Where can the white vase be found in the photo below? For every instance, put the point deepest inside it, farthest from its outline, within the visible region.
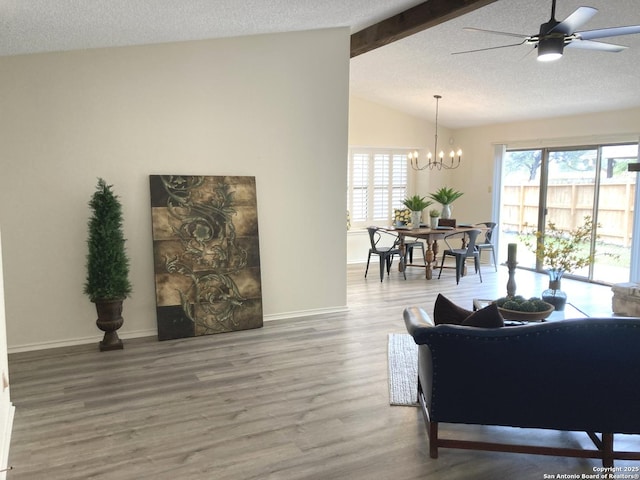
(415, 219)
(446, 211)
(434, 222)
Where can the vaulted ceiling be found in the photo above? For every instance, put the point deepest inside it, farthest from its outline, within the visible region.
(493, 86)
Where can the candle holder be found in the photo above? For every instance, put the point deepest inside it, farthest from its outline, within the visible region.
(511, 283)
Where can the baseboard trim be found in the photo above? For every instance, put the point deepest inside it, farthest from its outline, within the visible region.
(153, 332)
(305, 313)
(29, 347)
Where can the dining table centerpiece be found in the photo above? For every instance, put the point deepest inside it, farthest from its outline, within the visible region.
(533, 309)
(401, 217)
(434, 217)
(560, 251)
(416, 204)
(445, 196)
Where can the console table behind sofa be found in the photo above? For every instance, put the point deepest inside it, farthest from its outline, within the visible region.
(574, 375)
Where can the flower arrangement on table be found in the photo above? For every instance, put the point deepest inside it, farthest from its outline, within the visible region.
(402, 216)
(561, 250)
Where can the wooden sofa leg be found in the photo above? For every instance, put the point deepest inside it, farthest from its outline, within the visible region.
(607, 449)
(433, 439)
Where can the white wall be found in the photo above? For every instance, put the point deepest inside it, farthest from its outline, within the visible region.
(271, 106)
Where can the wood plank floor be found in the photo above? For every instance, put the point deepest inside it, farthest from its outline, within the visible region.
(298, 399)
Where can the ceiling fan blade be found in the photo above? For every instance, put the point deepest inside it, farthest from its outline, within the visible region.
(517, 35)
(579, 17)
(489, 48)
(608, 32)
(601, 46)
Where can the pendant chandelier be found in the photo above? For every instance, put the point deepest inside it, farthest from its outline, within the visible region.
(439, 162)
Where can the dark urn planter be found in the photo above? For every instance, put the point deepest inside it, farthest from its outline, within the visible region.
(109, 321)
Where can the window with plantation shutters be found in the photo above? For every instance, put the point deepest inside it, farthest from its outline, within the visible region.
(377, 185)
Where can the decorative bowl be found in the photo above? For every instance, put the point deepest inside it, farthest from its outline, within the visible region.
(526, 316)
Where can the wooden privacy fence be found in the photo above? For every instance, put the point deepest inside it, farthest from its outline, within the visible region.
(568, 204)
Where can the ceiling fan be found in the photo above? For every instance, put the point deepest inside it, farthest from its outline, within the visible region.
(555, 35)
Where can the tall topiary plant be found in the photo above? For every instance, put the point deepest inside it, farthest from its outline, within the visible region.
(107, 283)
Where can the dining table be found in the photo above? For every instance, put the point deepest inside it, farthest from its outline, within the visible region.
(431, 237)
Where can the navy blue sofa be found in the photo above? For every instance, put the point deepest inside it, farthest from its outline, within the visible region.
(574, 375)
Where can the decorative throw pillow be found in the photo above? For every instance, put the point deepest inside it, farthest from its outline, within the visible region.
(445, 311)
(487, 317)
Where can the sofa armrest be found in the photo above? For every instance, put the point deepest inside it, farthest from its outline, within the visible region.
(418, 323)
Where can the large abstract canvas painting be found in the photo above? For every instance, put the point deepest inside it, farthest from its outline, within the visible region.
(206, 254)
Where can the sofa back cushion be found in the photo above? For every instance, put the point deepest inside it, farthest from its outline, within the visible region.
(487, 317)
(447, 312)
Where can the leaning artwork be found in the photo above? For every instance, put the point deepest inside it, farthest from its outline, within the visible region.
(206, 254)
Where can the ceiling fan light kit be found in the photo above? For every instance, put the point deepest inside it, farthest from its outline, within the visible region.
(550, 48)
(554, 36)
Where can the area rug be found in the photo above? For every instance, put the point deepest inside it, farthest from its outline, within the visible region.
(403, 370)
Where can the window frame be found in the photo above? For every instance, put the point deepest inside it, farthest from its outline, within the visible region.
(379, 197)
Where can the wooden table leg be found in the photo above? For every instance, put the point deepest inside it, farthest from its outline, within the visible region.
(429, 257)
(403, 252)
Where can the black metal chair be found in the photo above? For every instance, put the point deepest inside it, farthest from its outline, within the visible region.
(408, 250)
(487, 243)
(386, 253)
(461, 254)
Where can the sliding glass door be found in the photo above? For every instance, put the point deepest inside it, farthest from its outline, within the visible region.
(614, 213)
(568, 195)
(563, 186)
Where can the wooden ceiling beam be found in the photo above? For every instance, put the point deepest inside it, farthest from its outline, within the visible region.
(416, 19)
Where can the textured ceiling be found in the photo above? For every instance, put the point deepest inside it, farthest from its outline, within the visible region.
(28, 26)
(506, 84)
(480, 88)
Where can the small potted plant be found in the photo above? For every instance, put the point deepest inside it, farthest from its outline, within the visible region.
(416, 204)
(446, 196)
(107, 283)
(434, 217)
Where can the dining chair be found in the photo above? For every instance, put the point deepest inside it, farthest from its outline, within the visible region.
(461, 254)
(486, 243)
(408, 250)
(385, 253)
